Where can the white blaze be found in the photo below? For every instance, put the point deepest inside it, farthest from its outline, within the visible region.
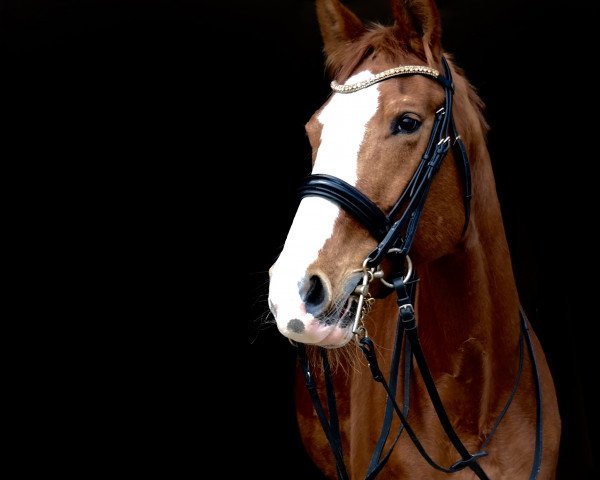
(344, 122)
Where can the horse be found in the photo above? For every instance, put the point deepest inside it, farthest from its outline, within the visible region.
(395, 284)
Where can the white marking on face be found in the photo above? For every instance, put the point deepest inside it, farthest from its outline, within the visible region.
(344, 121)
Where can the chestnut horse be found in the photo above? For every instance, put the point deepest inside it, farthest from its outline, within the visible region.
(398, 243)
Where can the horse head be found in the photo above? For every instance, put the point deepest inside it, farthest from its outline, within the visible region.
(372, 134)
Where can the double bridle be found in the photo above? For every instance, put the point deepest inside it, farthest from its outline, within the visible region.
(396, 237)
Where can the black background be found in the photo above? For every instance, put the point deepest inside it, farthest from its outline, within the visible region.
(171, 134)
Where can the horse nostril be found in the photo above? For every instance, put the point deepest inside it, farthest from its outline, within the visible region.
(315, 295)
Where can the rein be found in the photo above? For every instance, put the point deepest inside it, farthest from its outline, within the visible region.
(396, 236)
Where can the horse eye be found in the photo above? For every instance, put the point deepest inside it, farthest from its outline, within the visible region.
(405, 124)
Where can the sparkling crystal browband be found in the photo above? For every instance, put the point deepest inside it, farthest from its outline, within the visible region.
(378, 77)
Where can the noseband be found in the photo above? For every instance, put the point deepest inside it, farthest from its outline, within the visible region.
(395, 233)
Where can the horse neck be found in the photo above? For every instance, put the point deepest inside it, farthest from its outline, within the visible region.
(467, 303)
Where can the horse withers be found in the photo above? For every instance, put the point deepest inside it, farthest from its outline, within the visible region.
(395, 281)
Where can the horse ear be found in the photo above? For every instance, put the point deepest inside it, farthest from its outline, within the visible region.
(418, 25)
(338, 25)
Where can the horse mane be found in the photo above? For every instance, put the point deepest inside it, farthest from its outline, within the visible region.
(377, 39)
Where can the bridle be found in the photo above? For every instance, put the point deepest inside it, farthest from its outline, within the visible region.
(396, 237)
(399, 233)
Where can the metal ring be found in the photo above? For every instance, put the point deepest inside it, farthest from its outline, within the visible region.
(409, 271)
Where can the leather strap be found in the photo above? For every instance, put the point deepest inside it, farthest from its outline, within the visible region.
(377, 461)
(331, 427)
(350, 198)
(537, 454)
(409, 324)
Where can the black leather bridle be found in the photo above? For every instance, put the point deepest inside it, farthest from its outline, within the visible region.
(398, 235)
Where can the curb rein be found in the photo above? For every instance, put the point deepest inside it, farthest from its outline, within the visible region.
(396, 238)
